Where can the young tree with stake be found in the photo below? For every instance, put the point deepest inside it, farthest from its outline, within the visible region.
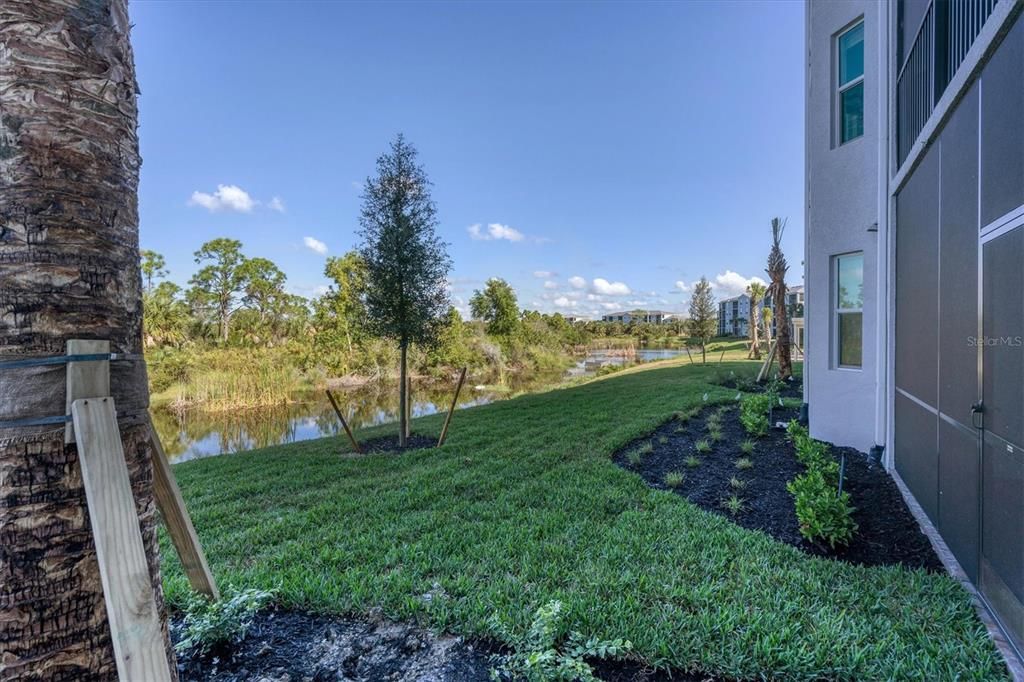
(703, 315)
(406, 262)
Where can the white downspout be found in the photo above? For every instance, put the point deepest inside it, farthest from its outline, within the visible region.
(883, 318)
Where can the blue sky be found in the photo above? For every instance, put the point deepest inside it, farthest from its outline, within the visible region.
(596, 155)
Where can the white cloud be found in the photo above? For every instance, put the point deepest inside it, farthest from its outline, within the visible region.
(226, 198)
(495, 231)
(544, 274)
(550, 285)
(729, 283)
(609, 306)
(276, 204)
(683, 286)
(563, 302)
(606, 288)
(314, 244)
(577, 282)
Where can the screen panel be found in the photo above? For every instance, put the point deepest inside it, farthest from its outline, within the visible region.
(958, 265)
(917, 281)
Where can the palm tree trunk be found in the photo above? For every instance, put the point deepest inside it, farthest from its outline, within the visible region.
(69, 250)
(782, 335)
(402, 398)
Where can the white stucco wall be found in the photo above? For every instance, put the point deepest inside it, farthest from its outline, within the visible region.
(841, 217)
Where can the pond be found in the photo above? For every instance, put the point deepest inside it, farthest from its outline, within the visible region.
(198, 433)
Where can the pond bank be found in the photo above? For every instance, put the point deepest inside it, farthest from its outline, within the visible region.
(306, 414)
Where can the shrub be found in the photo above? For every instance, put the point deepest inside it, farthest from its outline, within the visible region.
(693, 461)
(747, 447)
(744, 463)
(754, 411)
(209, 624)
(702, 446)
(674, 479)
(823, 515)
(737, 484)
(537, 656)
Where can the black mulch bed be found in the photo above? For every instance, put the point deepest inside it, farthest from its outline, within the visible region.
(390, 444)
(791, 388)
(291, 646)
(887, 533)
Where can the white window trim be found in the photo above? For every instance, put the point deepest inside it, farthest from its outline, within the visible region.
(840, 88)
(837, 311)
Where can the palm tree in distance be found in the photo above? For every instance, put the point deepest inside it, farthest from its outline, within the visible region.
(777, 268)
(755, 290)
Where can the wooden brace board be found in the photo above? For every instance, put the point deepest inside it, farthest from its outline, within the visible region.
(131, 607)
(179, 523)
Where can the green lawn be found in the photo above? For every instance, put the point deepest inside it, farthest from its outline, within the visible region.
(523, 505)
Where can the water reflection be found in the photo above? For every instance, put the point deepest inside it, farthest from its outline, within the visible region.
(196, 433)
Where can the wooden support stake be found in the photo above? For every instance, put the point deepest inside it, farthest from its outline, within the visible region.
(688, 354)
(90, 379)
(179, 523)
(337, 411)
(721, 357)
(451, 410)
(135, 629)
(767, 366)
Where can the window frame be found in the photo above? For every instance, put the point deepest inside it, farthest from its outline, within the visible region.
(838, 312)
(840, 88)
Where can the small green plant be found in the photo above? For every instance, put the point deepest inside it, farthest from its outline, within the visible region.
(737, 483)
(692, 461)
(537, 655)
(747, 447)
(754, 411)
(636, 455)
(734, 505)
(715, 436)
(823, 514)
(714, 422)
(674, 479)
(681, 428)
(662, 439)
(208, 624)
(744, 463)
(702, 446)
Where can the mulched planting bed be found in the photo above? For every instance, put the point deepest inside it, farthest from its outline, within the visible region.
(886, 533)
(292, 646)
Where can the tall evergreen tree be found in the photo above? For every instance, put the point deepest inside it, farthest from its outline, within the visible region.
(703, 315)
(406, 262)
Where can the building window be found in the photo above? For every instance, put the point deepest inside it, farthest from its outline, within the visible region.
(850, 83)
(848, 304)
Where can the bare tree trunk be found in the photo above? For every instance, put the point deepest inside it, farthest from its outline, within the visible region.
(755, 348)
(782, 335)
(69, 256)
(402, 398)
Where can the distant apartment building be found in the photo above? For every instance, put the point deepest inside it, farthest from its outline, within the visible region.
(646, 316)
(914, 263)
(735, 317)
